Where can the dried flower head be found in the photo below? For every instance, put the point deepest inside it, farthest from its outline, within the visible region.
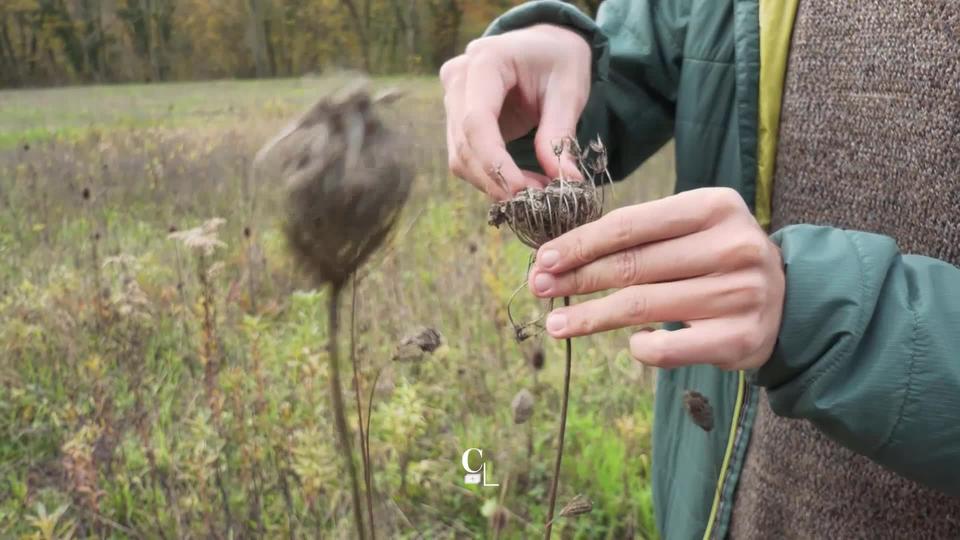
(537, 216)
(536, 358)
(499, 520)
(577, 506)
(202, 239)
(423, 340)
(522, 406)
(698, 408)
(346, 178)
(540, 215)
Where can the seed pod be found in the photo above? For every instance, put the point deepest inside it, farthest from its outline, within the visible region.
(577, 506)
(522, 406)
(699, 409)
(536, 358)
(499, 519)
(537, 216)
(423, 340)
(346, 177)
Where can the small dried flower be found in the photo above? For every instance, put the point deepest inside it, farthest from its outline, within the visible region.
(577, 506)
(499, 519)
(522, 406)
(699, 409)
(423, 340)
(203, 238)
(215, 269)
(537, 358)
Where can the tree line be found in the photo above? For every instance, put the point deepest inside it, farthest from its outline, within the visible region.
(57, 42)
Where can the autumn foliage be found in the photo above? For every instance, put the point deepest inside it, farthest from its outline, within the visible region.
(54, 42)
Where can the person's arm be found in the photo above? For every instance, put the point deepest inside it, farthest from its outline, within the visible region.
(637, 47)
(869, 350)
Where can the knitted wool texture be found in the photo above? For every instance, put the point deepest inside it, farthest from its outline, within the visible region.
(869, 140)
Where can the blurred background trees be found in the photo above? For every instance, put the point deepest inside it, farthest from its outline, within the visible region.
(56, 42)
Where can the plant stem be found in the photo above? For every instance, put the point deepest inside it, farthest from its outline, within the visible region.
(364, 438)
(563, 428)
(336, 395)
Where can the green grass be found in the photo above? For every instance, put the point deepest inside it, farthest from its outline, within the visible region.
(104, 408)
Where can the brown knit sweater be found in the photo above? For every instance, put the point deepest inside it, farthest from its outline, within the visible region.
(869, 140)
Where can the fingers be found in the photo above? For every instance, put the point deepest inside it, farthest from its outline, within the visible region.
(503, 87)
(475, 90)
(727, 344)
(488, 80)
(459, 154)
(690, 300)
(561, 112)
(706, 252)
(670, 217)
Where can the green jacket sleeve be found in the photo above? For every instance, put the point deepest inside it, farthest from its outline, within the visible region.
(637, 47)
(869, 350)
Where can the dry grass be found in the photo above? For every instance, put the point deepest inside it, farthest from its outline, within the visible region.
(109, 328)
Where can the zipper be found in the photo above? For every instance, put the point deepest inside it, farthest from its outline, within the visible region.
(733, 443)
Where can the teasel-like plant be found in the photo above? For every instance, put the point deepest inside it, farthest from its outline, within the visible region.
(537, 216)
(346, 178)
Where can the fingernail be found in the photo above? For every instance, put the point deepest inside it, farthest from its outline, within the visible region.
(548, 258)
(543, 282)
(556, 322)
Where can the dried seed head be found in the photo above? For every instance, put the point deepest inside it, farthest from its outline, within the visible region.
(558, 147)
(577, 506)
(537, 358)
(414, 345)
(499, 519)
(203, 239)
(522, 406)
(699, 409)
(346, 176)
(540, 215)
(85, 194)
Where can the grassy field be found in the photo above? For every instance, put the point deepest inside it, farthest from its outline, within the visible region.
(150, 392)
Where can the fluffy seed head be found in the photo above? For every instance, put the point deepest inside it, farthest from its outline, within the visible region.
(346, 176)
(522, 406)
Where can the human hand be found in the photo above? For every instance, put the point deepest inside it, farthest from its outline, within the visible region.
(499, 90)
(697, 257)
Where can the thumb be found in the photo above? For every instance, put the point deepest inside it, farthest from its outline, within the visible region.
(558, 121)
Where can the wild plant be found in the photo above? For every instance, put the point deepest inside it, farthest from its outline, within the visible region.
(537, 216)
(346, 178)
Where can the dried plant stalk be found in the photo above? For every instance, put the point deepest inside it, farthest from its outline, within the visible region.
(555, 482)
(340, 417)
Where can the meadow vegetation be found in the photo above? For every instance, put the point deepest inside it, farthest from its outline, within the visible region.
(163, 382)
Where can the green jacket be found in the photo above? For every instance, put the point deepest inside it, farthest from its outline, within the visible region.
(869, 348)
